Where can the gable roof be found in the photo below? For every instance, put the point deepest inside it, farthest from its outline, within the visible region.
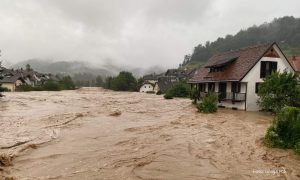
(237, 64)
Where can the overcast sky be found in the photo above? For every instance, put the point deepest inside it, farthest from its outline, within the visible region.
(136, 33)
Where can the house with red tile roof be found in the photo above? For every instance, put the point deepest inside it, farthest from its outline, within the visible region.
(236, 75)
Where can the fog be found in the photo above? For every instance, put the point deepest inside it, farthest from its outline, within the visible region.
(136, 33)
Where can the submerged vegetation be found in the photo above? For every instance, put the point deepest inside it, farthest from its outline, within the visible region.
(180, 89)
(285, 130)
(208, 104)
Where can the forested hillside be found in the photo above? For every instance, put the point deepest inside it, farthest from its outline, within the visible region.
(285, 31)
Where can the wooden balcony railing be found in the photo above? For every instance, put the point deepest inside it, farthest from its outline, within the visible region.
(224, 96)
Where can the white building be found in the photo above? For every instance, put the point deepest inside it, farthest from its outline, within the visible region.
(147, 87)
(236, 75)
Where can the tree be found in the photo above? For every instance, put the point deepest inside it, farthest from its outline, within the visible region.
(99, 81)
(67, 83)
(125, 81)
(28, 67)
(279, 90)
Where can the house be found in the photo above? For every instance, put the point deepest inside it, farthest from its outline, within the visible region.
(152, 78)
(236, 75)
(147, 87)
(11, 80)
(295, 62)
(179, 74)
(163, 84)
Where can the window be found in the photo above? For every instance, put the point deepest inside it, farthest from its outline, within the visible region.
(216, 69)
(257, 87)
(211, 87)
(267, 67)
(202, 87)
(236, 87)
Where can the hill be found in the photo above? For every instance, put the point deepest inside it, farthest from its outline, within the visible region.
(285, 31)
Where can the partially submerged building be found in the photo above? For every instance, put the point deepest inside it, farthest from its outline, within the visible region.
(236, 75)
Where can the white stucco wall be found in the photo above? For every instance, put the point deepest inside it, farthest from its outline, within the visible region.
(10, 86)
(146, 87)
(254, 76)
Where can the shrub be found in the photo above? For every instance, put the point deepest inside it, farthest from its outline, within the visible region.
(279, 90)
(4, 89)
(194, 95)
(208, 104)
(180, 89)
(285, 130)
(168, 96)
(159, 92)
(51, 86)
(24, 88)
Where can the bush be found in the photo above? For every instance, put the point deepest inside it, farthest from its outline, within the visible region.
(4, 89)
(52, 86)
(168, 96)
(194, 95)
(279, 90)
(285, 130)
(208, 104)
(180, 89)
(24, 88)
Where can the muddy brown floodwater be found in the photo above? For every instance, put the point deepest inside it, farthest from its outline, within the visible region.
(97, 134)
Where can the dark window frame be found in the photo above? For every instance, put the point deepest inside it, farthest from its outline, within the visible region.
(267, 67)
(257, 87)
(236, 87)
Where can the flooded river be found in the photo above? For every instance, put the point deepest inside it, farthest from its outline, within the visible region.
(97, 134)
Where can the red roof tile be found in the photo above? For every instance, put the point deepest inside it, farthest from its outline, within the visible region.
(295, 62)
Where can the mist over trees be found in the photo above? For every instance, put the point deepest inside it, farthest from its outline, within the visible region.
(285, 31)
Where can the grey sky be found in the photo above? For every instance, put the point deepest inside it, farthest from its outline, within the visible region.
(136, 33)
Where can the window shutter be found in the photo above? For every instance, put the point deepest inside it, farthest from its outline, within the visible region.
(263, 69)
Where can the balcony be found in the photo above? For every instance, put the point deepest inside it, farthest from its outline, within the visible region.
(234, 97)
(226, 96)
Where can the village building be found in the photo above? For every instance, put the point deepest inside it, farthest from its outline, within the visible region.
(147, 87)
(235, 76)
(163, 84)
(12, 79)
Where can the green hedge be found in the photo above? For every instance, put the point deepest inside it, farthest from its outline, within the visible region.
(285, 130)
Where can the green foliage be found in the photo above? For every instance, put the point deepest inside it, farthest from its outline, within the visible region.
(283, 30)
(194, 95)
(125, 81)
(279, 90)
(180, 89)
(285, 130)
(168, 96)
(208, 104)
(4, 89)
(66, 83)
(52, 86)
(99, 81)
